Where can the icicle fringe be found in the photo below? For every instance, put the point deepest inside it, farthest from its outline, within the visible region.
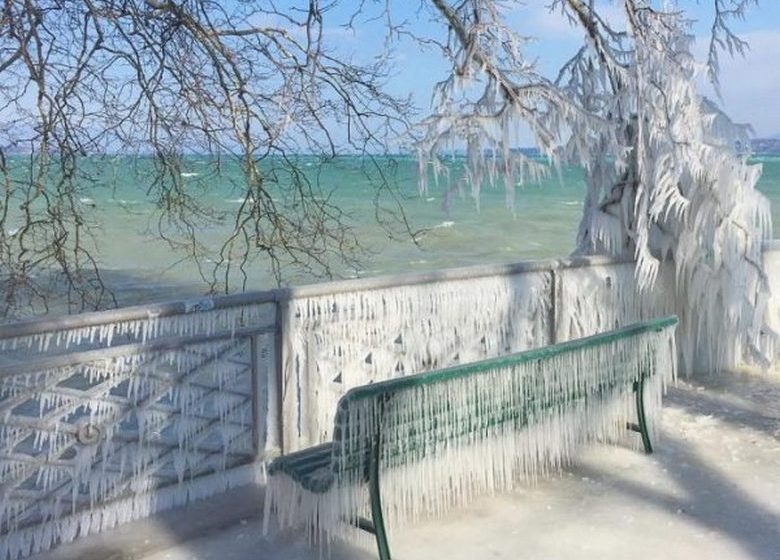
(600, 298)
(33, 540)
(199, 320)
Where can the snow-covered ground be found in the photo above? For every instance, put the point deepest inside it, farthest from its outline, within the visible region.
(711, 491)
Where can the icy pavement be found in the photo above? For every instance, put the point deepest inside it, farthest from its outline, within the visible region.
(711, 491)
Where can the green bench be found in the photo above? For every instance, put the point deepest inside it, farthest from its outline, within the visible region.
(438, 439)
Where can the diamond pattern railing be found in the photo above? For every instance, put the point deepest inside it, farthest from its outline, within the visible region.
(94, 432)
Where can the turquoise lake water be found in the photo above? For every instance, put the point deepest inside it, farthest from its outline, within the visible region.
(543, 224)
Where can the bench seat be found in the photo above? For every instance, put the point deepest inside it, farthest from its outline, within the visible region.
(312, 468)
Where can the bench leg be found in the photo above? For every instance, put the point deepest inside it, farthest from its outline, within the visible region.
(376, 502)
(639, 391)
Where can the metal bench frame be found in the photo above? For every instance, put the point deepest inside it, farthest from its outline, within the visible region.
(376, 525)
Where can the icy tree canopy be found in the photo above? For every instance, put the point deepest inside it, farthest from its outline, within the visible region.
(665, 183)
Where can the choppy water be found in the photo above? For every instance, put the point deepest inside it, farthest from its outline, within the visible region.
(543, 223)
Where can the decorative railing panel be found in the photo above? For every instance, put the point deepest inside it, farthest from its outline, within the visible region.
(101, 421)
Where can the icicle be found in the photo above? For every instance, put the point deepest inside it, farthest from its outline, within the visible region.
(604, 297)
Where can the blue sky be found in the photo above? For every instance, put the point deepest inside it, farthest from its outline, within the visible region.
(750, 85)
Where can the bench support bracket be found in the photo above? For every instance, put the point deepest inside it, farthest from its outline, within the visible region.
(363, 524)
(376, 500)
(641, 427)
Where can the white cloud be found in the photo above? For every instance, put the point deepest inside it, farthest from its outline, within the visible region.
(750, 85)
(536, 20)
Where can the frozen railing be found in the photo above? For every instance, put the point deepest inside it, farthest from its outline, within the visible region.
(107, 417)
(110, 416)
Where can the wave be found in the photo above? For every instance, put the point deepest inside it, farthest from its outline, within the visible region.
(764, 158)
(445, 224)
(238, 200)
(190, 174)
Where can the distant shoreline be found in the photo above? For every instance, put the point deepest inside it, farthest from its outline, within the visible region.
(759, 147)
(765, 146)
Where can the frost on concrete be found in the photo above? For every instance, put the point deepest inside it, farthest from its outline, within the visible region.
(603, 297)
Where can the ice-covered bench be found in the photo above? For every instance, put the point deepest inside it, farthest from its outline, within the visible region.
(437, 439)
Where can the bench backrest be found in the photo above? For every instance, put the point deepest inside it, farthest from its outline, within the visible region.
(523, 411)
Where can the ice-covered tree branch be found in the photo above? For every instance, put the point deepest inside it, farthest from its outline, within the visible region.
(722, 37)
(491, 92)
(664, 182)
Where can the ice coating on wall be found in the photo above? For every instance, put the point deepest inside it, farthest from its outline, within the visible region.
(597, 298)
(445, 443)
(771, 263)
(86, 446)
(332, 342)
(337, 341)
(603, 297)
(199, 317)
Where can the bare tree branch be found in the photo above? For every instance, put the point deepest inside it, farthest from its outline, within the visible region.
(250, 87)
